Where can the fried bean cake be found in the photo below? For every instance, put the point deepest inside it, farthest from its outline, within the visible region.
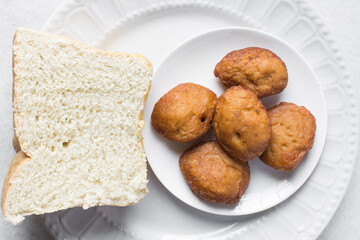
(212, 175)
(256, 69)
(184, 113)
(293, 133)
(241, 124)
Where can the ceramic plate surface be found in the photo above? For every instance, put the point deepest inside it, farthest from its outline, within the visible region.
(194, 61)
(154, 28)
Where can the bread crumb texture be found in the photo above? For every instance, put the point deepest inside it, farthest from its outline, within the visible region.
(77, 116)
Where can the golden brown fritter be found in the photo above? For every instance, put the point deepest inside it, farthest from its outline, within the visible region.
(293, 133)
(212, 175)
(184, 113)
(255, 69)
(241, 124)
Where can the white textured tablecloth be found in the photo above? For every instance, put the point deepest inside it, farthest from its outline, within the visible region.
(343, 19)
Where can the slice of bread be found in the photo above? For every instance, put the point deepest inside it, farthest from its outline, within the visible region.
(77, 120)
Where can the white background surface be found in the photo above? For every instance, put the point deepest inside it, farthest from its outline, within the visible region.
(342, 18)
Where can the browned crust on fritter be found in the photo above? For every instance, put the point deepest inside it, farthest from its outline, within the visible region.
(212, 175)
(293, 129)
(256, 69)
(184, 113)
(241, 124)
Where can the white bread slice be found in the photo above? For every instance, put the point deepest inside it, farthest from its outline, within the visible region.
(77, 120)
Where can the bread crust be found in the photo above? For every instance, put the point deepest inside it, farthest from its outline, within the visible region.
(16, 164)
(212, 175)
(141, 123)
(16, 144)
(15, 141)
(20, 157)
(293, 130)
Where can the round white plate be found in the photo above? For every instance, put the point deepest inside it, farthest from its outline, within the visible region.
(194, 61)
(154, 28)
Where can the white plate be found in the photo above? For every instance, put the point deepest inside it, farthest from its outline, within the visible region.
(194, 61)
(154, 28)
